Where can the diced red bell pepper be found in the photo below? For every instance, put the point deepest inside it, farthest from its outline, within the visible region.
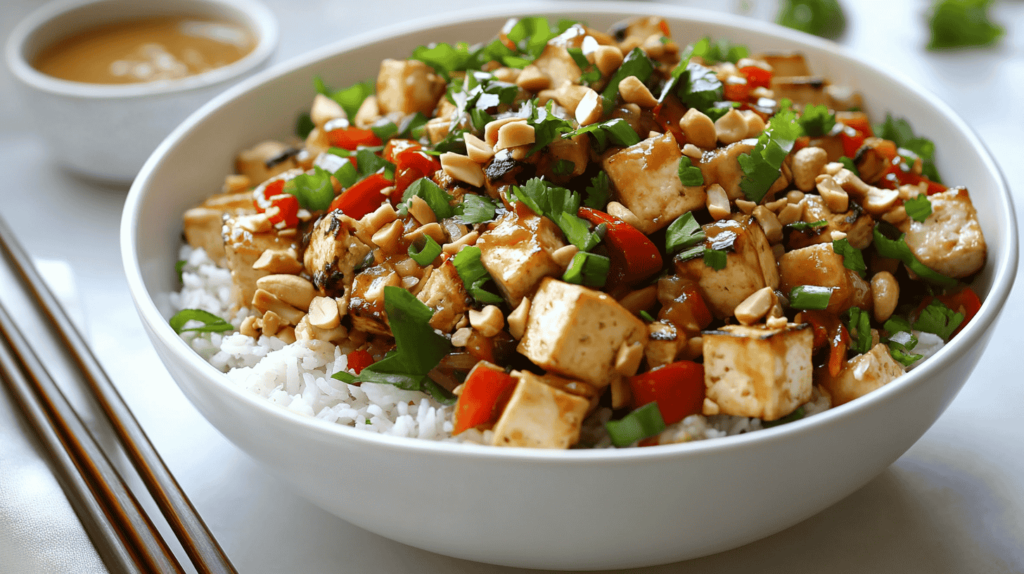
(287, 209)
(852, 140)
(633, 256)
(667, 114)
(757, 77)
(737, 92)
(411, 165)
(678, 388)
(859, 123)
(352, 138)
(663, 27)
(484, 395)
(363, 197)
(837, 356)
(261, 197)
(359, 360)
(828, 329)
(396, 146)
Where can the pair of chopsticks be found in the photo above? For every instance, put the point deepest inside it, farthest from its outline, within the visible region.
(123, 534)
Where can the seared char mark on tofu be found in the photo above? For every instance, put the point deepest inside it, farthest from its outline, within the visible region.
(445, 294)
(820, 265)
(332, 253)
(366, 299)
(203, 224)
(785, 64)
(539, 415)
(858, 226)
(517, 252)
(577, 332)
(802, 90)
(646, 179)
(949, 240)
(756, 371)
(408, 86)
(242, 248)
(265, 160)
(750, 264)
(860, 375)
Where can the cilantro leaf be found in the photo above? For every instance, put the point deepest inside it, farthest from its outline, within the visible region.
(588, 269)
(858, 323)
(476, 209)
(314, 191)
(444, 58)
(578, 232)
(303, 125)
(762, 165)
(700, 88)
(715, 259)
(938, 319)
(823, 18)
(368, 162)
(918, 208)
(560, 206)
(719, 51)
(636, 63)
(211, 323)
(590, 72)
(900, 340)
(598, 192)
(563, 167)
(437, 198)
(683, 232)
(816, 121)
(615, 132)
(962, 23)
(418, 348)
(474, 275)
(898, 249)
(349, 98)
(848, 164)
(853, 259)
(547, 127)
(898, 131)
(689, 174)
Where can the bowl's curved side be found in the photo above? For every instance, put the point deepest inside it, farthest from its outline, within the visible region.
(544, 509)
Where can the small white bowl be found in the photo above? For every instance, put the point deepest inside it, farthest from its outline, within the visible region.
(535, 508)
(107, 131)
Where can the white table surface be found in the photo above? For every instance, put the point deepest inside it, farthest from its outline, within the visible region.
(953, 503)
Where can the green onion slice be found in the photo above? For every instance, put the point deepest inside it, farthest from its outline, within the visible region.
(644, 422)
(426, 253)
(211, 323)
(809, 297)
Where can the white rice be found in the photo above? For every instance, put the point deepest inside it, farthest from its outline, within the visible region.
(297, 377)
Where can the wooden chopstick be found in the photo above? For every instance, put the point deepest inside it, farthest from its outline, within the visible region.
(197, 540)
(128, 540)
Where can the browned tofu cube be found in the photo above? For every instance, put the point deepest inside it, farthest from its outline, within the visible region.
(444, 292)
(758, 372)
(750, 264)
(576, 332)
(540, 416)
(950, 239)
(407, 87)
(860, 375)
(821, 266)
(243, 246)
(517, 253)
(802, 90)
(332, 254)
(646, 179)
(786, 64)
(265, 160)
(858, 226)
(722, 166)
(366, 298)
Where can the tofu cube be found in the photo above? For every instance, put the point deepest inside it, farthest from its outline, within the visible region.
(950, 239)
(860, 375)
(750, 265)
(858, 226)
(556, 62)
(646, 178)
(758, 372)
(407, 87)
(203, 224)
(576, 332)
(517, 253)
(802, 90)
(818, 265)
(444, 292)
(332, 254)
(540, 416)
(366, 299)
(242, 248)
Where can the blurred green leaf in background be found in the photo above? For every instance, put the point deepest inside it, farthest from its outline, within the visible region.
(819, 17)
(962, 23)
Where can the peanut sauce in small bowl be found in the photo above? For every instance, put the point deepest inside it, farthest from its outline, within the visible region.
(107, 80)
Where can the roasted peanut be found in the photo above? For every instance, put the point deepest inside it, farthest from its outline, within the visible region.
(885, 293)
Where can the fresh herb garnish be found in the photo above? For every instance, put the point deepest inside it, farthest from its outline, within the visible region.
(646, 316)
(560, 206)
(313, 190)
(962, 23)
(179, 268)
(304, 125)
(858, 323)
(816, 121)
(347, 175)
(689, 174)
(435, 197)
(547, 127)
(898, 130)
(898, 249)
(563, 167)
(900, 341)
(211, 323)
(918, 208)
(349, 98)
(719, 51)
(368, 162)
(848, 164)
(807, 225)
(715, 259)
(590, 72)
(636, 63)
(588, 269)
(474, 275)
(763, 164)
(426, 252)
(644, 422)
(938, 319)
(853, 258)
(793, 416)
(700, 87)
(598, 192)
(823, 18)
(683, 232)
(615, 132)
(476, 209)
(809, 297)
(418, 350)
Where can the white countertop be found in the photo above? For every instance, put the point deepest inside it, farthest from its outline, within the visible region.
(953, 503)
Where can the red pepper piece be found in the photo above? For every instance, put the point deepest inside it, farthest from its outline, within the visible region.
(678, 388)
(359, 360)
(737, 92)
(852, 140)
(287, 209)
(757, 77)
(352, 138)
(363, 197)
(837, 356)
(484, 395)
(395, 146)
(861, 124)
(416, 159)
(633, 256)
(828, 329)
(260, 198)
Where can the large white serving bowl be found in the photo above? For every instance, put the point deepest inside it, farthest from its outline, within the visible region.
(536, 508)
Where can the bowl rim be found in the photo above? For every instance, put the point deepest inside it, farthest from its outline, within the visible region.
(1002, 280)
(252, 14)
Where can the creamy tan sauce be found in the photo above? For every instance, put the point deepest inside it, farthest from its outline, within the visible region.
(146, 50)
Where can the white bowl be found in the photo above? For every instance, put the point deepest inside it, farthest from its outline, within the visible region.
(107, 131)
(536, 508)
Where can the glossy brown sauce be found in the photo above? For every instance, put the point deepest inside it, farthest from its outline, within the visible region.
(145, 50)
